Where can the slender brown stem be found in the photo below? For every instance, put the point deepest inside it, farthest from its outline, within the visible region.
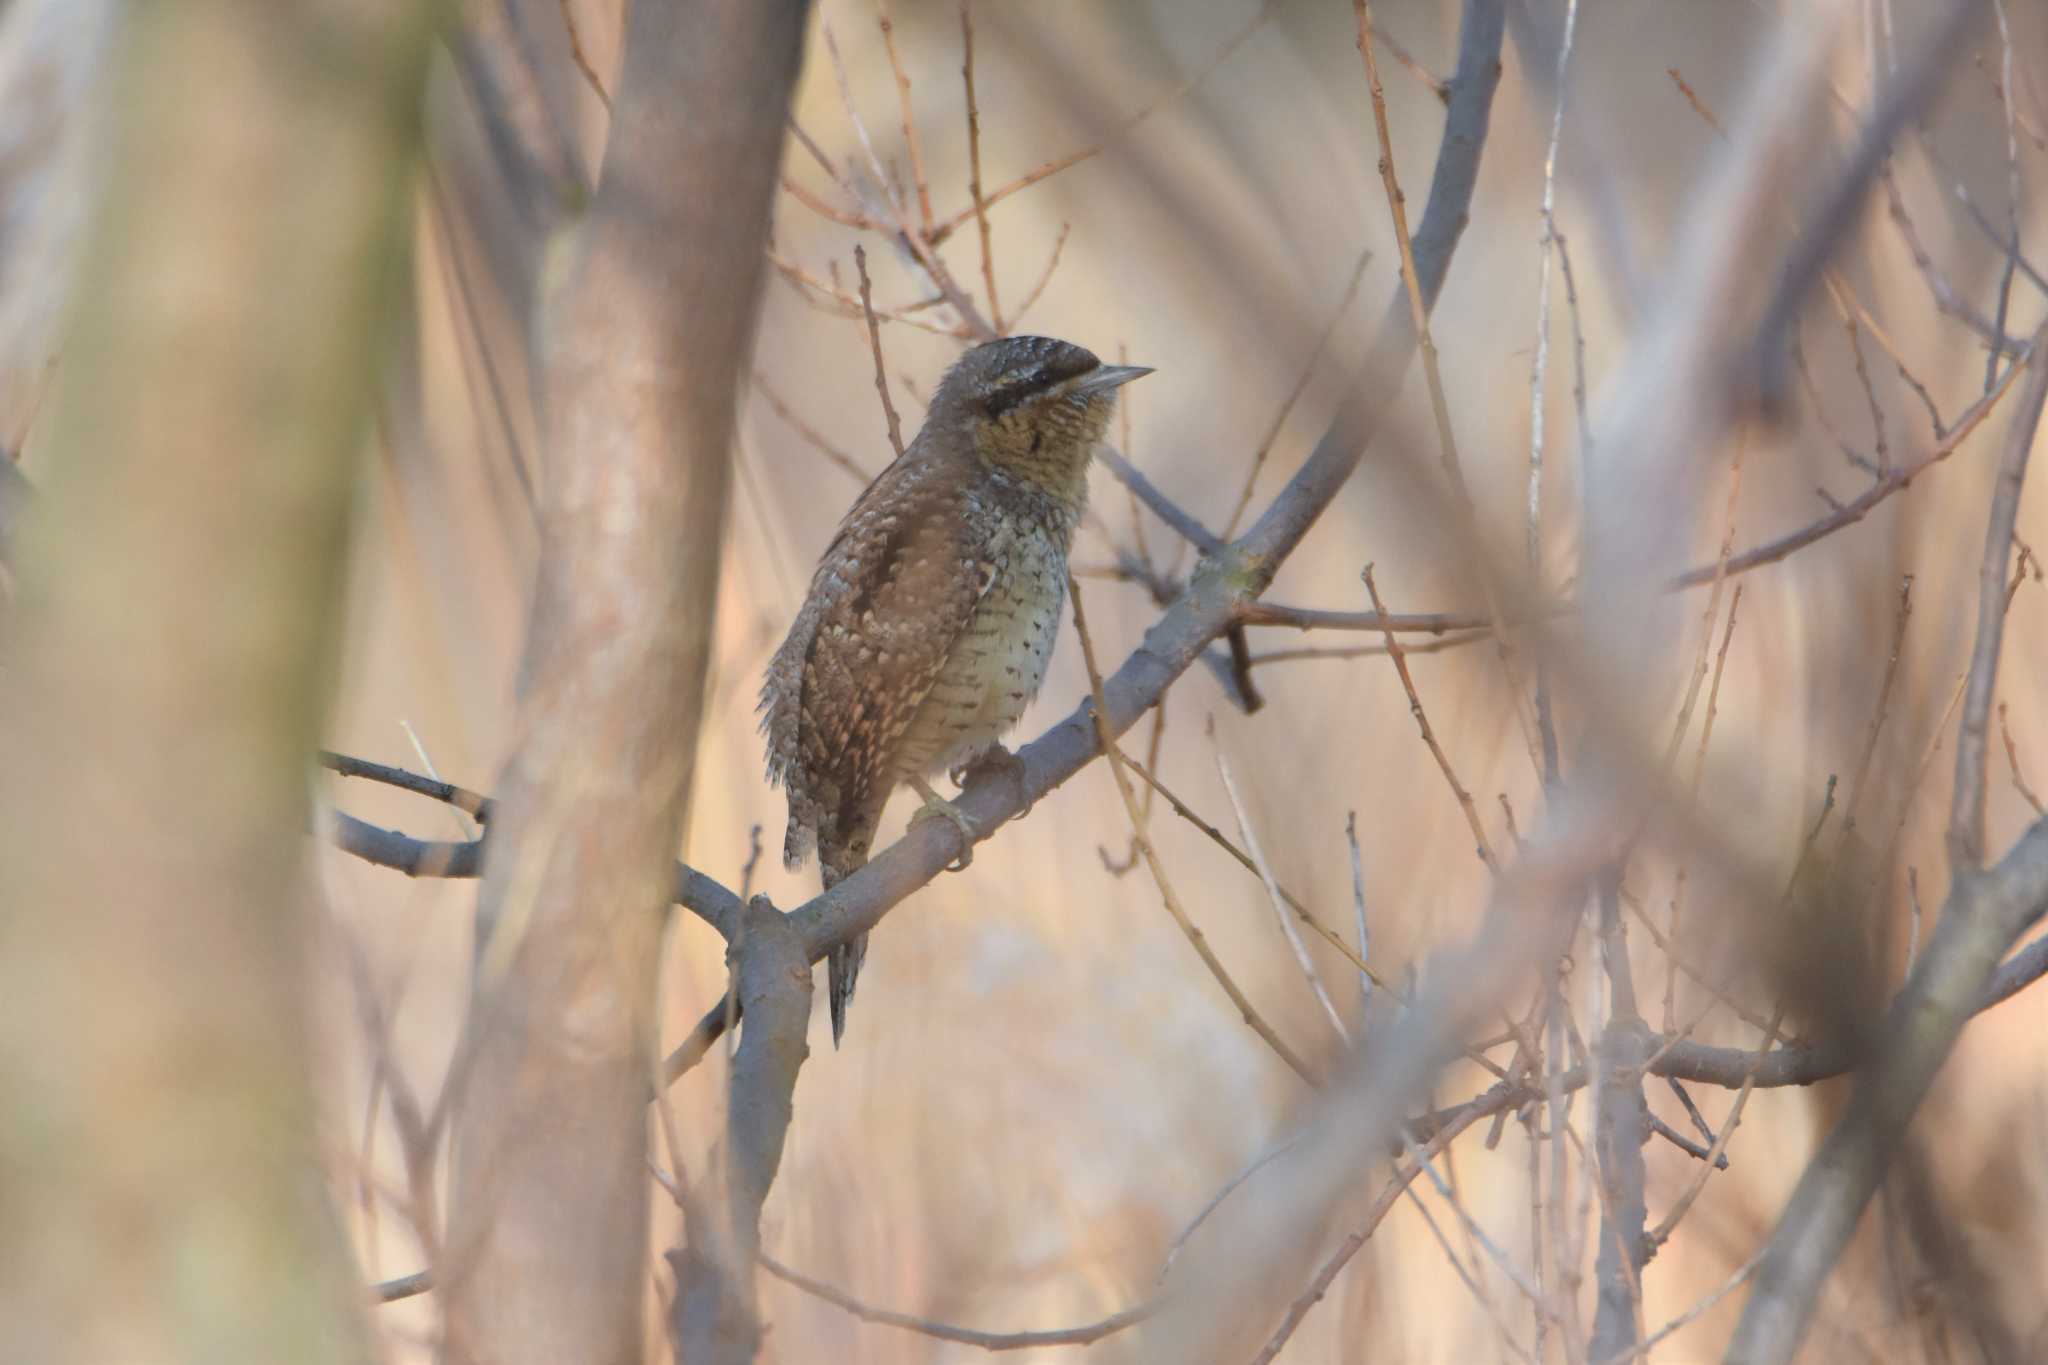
(867, 307)
(988, 261)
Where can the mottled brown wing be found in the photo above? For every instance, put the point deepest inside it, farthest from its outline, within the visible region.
(892, 594)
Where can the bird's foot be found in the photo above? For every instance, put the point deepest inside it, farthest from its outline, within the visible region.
(937, 807)
(998, 761)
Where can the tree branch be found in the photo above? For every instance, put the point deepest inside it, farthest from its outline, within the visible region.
(1966, 809)
(714, 1317)
(1622, 1119)
(1987, 911)
(545, 1257)
(1083, 1335)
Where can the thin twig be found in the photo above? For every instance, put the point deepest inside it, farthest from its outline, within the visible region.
(836, 301)
(1244, 860)
(1483, 846)
(1685, 1144)
(1683, 722)
(1836, 290)
(1257, 1164)
(1358, 907)
(464, 800)
(1287, 929)
(1438, 646)
(1308, 369)
(988, 260)
(2012, 758)
(1543, 249)
(910, 139)
(1117, 868)
(867, 306)
(1052, 263)
(1685, 709)
(1501, 1259)
(860, 127)
(965, 1336)
(582, 59)
(811, 435)
(1884, 692)
(1756, 557)
(1716, 1156)
(1166, 892)
(1327, 1273)
(947, 226)
(1440, 411)
(826, 209)
(1881, 868)
(1466, 1274)
(1692, 97)
(1691, 1315)
(2012, 191)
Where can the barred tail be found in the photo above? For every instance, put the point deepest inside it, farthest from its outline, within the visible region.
(837, 858)
(841, 970)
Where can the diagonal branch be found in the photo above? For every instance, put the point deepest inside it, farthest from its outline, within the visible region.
(1986, 913)
(1966, 810)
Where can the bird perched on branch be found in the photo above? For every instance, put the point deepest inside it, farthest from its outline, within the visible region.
(930, 618)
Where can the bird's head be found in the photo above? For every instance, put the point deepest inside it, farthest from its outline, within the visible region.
(1033, 407)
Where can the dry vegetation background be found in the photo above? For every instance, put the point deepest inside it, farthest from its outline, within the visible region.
(1042, 1085)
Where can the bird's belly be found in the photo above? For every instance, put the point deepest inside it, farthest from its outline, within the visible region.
(992, 674)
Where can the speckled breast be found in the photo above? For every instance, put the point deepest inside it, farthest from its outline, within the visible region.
(995, 668)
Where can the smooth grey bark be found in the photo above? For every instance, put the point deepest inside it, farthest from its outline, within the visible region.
(546, 1254)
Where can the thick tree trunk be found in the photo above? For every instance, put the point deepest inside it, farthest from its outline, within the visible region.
(546, 1257)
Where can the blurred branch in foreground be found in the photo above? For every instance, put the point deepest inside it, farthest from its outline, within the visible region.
(167, 677)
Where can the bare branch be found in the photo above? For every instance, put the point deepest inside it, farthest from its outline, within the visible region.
(839, 458)
(581, 58)
(867, 307)
(910, 139)
(1052, 263)
(947, 226)
(464, 800)
(965, 1336)
(2012, 758)
(1195, 937)
(1966, 813)
(1987, 912)
(988, 260)
(647, 349)
(1481, 843)
(714, 1317)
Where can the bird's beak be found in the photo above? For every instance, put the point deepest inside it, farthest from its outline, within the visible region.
(1111, 377)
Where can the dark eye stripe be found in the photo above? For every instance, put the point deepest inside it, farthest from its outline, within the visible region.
(1070, 363)
(1016, 391)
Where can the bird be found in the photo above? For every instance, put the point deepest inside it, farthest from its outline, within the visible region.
(932, 614)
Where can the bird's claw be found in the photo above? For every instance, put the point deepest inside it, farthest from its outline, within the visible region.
(995, 759)
(937, 807)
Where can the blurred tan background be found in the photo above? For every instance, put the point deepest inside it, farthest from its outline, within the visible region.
(1041, 1086)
